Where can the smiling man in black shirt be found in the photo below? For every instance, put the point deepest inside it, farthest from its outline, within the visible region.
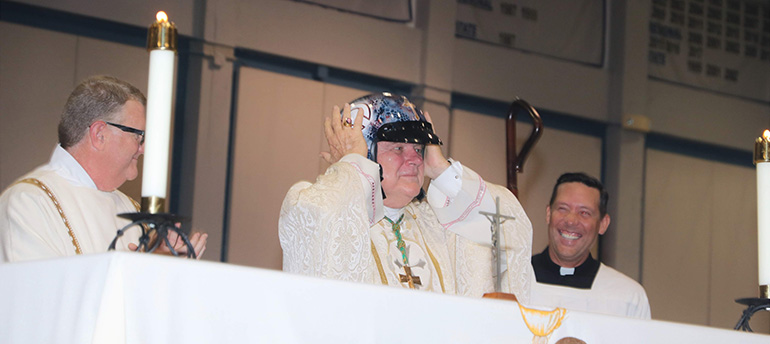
(567, 275)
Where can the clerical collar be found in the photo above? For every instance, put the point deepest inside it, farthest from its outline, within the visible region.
(392, 213)
(548, 272)
(65, 165)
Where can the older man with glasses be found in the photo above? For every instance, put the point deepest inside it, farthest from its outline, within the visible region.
(69, 206)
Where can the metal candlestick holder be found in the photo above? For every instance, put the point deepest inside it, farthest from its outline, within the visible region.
(754, 304)
(157, 226)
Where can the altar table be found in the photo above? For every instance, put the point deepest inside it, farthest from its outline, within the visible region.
(125, 297)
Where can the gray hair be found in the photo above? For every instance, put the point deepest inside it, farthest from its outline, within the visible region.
(99, 97)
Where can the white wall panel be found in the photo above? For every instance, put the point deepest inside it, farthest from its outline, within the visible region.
(327, 36)
(699, 251)
(734, 270)
(35, 82)
(706, 116)
(502, 74)
(677, 235)
(276, 145)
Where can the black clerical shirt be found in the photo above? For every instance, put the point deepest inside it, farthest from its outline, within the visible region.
(548, 272)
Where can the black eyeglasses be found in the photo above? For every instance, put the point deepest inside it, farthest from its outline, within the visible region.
(129, 130)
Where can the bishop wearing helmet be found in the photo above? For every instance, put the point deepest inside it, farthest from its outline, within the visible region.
(367, 218)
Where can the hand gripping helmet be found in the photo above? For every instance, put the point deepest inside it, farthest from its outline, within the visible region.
(393, 118)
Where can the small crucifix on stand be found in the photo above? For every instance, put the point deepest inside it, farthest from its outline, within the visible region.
(496, 219)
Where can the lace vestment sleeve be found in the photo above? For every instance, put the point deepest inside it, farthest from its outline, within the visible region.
(323, 226)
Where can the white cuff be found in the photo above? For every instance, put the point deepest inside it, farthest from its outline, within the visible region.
(449, 183)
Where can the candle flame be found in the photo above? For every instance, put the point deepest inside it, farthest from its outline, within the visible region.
(766, 135)
(161, 16)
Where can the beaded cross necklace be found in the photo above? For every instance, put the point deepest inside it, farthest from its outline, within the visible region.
(408, 277)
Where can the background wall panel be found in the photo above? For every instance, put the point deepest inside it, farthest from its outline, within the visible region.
(699, 252)
(275, 145)
(35, 85)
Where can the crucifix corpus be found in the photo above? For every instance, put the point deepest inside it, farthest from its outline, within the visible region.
(497, 220)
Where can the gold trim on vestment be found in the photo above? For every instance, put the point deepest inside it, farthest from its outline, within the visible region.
(379, 264)
(55, 201)
(430, 254)
(438, 267)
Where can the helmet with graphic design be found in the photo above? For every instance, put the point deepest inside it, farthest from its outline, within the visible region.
(393, 118)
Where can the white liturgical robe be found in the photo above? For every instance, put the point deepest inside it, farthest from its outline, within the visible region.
(612, 293)
(335, 228)
(31, 226)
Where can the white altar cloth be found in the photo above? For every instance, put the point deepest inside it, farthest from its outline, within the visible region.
(123, 297)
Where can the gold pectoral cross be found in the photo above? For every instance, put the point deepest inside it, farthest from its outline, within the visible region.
(409, 278)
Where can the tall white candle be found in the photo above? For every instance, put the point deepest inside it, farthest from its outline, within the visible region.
(762, 159)
(763, 221)
(158, 129)
(161, 42)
